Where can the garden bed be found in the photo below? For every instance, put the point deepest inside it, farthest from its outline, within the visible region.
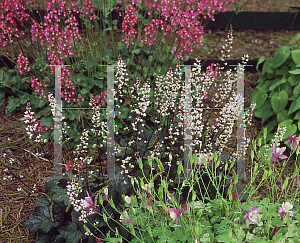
(16, 206)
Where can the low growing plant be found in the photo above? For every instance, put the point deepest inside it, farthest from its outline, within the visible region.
(152, 214)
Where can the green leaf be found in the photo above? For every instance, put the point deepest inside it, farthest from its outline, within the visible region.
(46, 121)
(223, 238)
(296, 71)
(61, 195)
(296, 90)
(85, 91)
(260, 60)
(282, 116)
(296, 37)
(281, 55)
(297, 116)
(293, 79)
(73, 235)
(279, 101)
(137, 51)
(285, 183)
(259, 96)
(299, 125)
(238, 10)
(120, 45)
(278, 82)
(46, 225)
(265, 201)
(294, 106)
(34, 222)
(13, 103)
(70, 114)
(296, 56)
(287, 87)
(41, 202)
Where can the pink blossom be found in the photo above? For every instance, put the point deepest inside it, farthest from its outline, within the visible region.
(89, 204)
(175, 214)
(68, 167)
(282, 211)
(277, 153)
(125, 218)
(252, 215)
(293, 139)
(206, 156)
(148, 204)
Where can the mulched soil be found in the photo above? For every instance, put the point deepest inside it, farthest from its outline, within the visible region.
(16, 206)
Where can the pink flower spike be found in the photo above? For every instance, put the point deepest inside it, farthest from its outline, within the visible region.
(294, 141)
(99, 240)
(252, 215)
(277, 153)
(175, 214)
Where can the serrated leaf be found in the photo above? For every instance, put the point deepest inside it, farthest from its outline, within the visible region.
(47, 224)
(61, 195)
(46, 121)
(73, 234)
(61, 230)
(34, 222)
(42, 202)
(46, 238)
(13, 103)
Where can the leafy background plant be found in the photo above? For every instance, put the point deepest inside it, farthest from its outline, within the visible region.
(278, 89)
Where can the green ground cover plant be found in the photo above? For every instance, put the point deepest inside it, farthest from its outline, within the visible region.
(185, 211)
